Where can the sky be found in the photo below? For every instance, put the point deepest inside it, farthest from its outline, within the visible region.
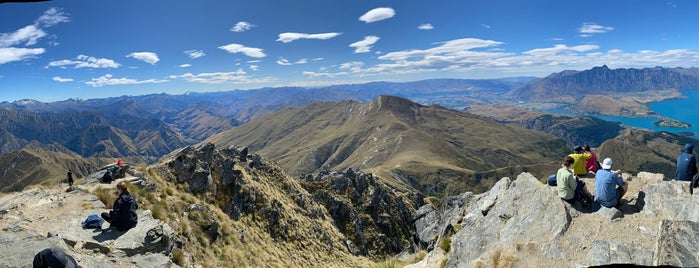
(72, 49)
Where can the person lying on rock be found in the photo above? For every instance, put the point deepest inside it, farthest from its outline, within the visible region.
(54, 258)
(609, 186)
(570, 187)
(123, 215)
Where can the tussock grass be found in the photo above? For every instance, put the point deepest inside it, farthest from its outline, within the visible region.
(445, 244)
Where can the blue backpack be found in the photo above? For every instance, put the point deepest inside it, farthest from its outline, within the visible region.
(93, 222)
(552, 180)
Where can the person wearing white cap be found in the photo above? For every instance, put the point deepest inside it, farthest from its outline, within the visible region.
(609, 186)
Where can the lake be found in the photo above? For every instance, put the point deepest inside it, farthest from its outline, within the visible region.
(685, 110)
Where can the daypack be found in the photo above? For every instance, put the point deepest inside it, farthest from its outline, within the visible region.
(552, 180)
(93, 222)
(693, 184)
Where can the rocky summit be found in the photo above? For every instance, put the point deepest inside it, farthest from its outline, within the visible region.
(522, 222)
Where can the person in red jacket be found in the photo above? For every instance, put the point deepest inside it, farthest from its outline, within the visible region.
(590, 163)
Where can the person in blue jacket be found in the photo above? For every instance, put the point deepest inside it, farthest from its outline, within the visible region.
(123, 215)
(686, 164)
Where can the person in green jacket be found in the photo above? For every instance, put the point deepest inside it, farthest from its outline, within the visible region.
(580, 156)
(569, 186)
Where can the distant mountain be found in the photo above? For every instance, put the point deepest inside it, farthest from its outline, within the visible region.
(42, 166)
(570, 86)
(576, 130)
(430, 148)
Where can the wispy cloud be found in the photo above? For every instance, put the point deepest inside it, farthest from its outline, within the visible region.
(485, 26)
(378, 14)
(109, 80)
(248, 51)
(194, 53)
(51, 17)
(365, 45)
(62, 80)
(28, 36)
(242, 26)
(254, 67)
(588, 29)
(10, 54)
(83, 61)
(425, 26)
(283, 61)
(148, 57)
(290, 37)
(237, 77)
(185, 65)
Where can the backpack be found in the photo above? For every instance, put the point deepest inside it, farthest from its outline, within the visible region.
(693, 184)
(552, 180)
(93, 222)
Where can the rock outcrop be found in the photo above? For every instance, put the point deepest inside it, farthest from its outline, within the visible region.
(36, 219)
(524, 222)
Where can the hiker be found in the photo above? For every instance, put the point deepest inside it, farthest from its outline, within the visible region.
(609, 185)
(108, 177)
(591, 163)
(580, 158)
(569, 186)
(686, 164)
(70, 178)
(123, 214)
(53, 257)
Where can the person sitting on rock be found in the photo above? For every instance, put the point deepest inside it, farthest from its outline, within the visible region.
(591, 163)
(686, 164)
(580, 158)
(55, 258)
(609, 186)
(123, 215)
(570, 187)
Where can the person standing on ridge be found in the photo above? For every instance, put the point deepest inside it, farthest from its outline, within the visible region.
(70, 178)
(591, 163)
(609, 186)
(123, 215)
(580, 157)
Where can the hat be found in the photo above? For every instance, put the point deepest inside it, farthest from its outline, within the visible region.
(607, 163)
(578, 148)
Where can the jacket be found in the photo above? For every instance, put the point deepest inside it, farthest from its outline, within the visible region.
(123, 214)
(686, 164)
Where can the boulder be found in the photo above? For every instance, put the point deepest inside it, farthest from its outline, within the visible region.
(678, 244)
(513, 212)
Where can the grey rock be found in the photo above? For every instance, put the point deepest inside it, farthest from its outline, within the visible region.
(610, 213)
(516, 211)
(200, 181)
(678, 244)
(612, 252)
(669, 200)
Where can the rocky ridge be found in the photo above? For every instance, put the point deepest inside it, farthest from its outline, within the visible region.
(522, 222)
(35, 219)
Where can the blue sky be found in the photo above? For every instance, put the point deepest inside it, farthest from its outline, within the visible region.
(62, 49)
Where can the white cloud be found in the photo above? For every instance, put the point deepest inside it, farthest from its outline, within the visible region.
(290, 37)
(242, 26)
(378, 14)
(28, 35)
(485, 26)
(324, 74)
(51, 17)
(10, 54)
(365, 45)
(194, 53)
(185, 65)
(238, 76)
(558, 49)
(425, 26)
(248, 51)
(108, 80)
(61, 79)
(254, 67)
(588, 29)
(148, 57)
(283, 61)
(83, 61)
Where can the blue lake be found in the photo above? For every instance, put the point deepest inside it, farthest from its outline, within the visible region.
(685, 110)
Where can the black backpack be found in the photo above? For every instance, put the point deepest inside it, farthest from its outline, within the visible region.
(695, 181)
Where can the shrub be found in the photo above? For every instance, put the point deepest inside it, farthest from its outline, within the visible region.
(445, 244)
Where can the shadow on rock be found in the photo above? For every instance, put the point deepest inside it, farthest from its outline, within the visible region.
(108, 234)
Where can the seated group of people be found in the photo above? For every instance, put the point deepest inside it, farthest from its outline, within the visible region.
(609, 185)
